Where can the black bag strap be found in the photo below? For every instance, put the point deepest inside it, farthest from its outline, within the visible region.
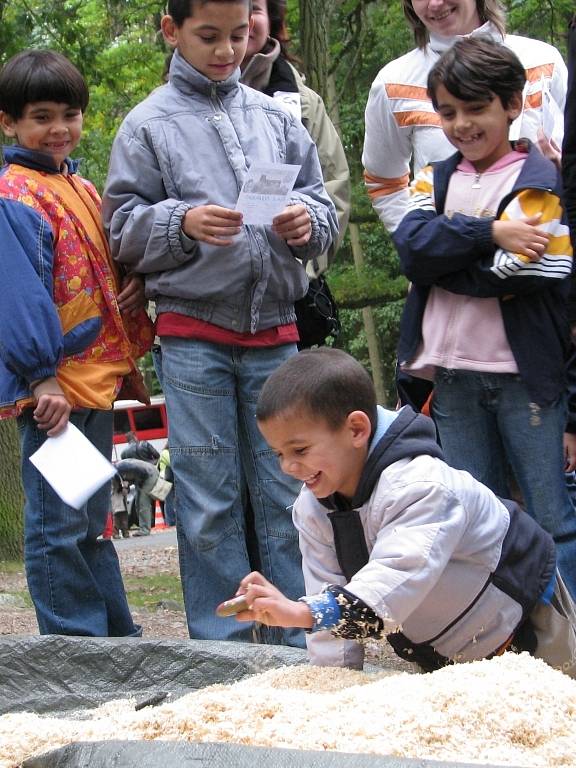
(349, 541)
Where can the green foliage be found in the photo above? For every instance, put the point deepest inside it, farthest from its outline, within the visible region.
(11, 497)
(147, 591)
(368, 287)
(543, 21)
(116, 46)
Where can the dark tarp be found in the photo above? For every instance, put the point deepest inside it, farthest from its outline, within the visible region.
(57, 675)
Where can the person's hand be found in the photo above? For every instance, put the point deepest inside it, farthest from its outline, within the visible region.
(131, 297)
(52, 409)
(521, 236)
(212, 224)
(293, 225)
(267, 605)
(569, 452)
(549, 148)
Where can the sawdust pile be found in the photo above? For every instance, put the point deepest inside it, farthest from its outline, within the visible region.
(512, 710)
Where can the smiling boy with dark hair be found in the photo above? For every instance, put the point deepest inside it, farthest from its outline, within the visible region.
(395, 543)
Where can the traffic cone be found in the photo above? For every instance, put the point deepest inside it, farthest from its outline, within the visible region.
(109, 527)
(159, 522)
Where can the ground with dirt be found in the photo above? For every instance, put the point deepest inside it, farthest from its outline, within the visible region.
(165, 620)
(141, 558)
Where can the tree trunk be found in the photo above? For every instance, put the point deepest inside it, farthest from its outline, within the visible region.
(11, 497)
(314, 30)
(369, 325)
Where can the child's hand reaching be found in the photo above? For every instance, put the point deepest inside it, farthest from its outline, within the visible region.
(521, 236)
(269, 606)
(293, 225)
(212, 224)
(52, 409)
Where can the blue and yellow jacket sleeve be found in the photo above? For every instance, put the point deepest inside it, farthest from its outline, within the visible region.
(31, 343)
(458, 253)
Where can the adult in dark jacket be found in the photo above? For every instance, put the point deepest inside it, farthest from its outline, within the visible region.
(569, 145)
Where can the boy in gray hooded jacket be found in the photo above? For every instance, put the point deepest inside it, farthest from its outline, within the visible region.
(395, 543)
(224, 294)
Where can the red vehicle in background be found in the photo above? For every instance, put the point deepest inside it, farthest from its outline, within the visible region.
(147, 422)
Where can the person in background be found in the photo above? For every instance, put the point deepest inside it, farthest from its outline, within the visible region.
(267, 66)
(486, 248)
(569, 144)
(72, 327)
(396, 544)
(224, 293)
(144, 451)
(569, 182)
(120, 490)
(402, 130)
(166, 473)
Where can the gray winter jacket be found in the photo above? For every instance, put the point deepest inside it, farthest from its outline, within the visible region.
(447, 561)
(188, 144)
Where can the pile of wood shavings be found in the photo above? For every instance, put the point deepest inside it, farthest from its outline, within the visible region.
(512, 710)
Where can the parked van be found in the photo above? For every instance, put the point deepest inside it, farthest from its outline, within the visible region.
(147, 422)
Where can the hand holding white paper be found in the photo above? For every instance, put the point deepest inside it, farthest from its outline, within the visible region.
(266, 191)
(72, 466)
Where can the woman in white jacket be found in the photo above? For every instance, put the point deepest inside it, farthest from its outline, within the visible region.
(403, 132)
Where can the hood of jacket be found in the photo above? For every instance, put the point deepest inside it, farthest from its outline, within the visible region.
(410, 434)
(37, 161)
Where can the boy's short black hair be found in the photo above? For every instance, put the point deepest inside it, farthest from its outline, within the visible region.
(40, 75)
(477, 69)
(180, 10)
(326, 383)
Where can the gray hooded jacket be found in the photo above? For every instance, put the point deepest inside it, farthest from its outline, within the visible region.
(189, 144)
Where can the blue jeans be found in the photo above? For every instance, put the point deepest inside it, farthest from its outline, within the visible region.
(169, 509)
(488, 424)
(216, 449)
(73, 578)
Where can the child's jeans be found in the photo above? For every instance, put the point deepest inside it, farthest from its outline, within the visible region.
(215, 449)
(74, 579)
(487, 423)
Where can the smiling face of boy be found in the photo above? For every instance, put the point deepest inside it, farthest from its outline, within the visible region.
(327, 460)
(478, 129)
(213, 39)
(46, 126)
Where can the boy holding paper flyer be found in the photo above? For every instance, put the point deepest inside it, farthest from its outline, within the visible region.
(224, 294)
(71, 328)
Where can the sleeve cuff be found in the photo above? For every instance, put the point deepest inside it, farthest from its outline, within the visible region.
(324, 609)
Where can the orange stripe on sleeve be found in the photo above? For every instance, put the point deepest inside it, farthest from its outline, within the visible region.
(398, 91)
(416, 118)
(533, 100)
(378, 187)
(533, 74)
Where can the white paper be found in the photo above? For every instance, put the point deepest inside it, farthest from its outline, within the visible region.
(266, 191)
(72, 466)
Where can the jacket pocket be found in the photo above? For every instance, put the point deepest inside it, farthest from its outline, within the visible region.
(81, 323)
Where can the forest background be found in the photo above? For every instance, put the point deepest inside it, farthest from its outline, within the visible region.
(340, 45)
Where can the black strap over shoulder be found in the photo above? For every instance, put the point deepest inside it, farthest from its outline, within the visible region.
(349, 541)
